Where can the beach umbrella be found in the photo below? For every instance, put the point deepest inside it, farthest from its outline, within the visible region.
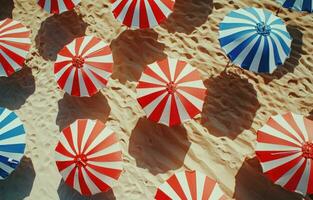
(12, 142)
(190, 185)
(255, 39)
(285, 150)
(83, 66)
(14, 46)
(57, 6)
(171, 92)
(300, 5)
(89, 157)
(142, 13)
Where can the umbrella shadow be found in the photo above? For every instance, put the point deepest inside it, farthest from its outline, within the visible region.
(66, 192)
(293, 61)
(15, 90)
(57, 31)
(230, 105)
(188, 15)
(157, 147)
(251, 183)
(132, 50)
(6, 9)
(19, 184)
(73, 108)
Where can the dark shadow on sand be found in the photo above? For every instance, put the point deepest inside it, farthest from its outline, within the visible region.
(230, 105)
(188, 15)
(6, 8)
(73, 108)
(20, 183)
(132, 51)
(57, 31)
(293, 61)
(310, 116)
(252, 184)
(65, 192)
(15, 90)
(157, 147)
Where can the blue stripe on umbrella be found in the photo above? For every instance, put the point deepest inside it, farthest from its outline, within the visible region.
(300, 5)
(3, 174)
(264, 63)
(12, 142)
(249, 26)
(249, 58)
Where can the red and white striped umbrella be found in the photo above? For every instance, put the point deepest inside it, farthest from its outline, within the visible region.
(14, 46)
(171, 92)
(142, 13)
(57, 6)
(190, 186)
(84, 66)
(89, 157)
(285, 151)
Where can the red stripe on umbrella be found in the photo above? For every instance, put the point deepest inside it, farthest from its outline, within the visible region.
(285, 151)
(89, 157)
(142, 13)
(83, 66)
(190, 185)
(57, 6)
(14, 46)
(171, 92)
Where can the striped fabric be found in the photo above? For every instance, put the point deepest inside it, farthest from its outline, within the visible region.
(300, 5)
(12, 142)
(190, 186)
(285, 150)
(171, 92)
(84, 66)
(142, 13)
(14, 46)
(255, 39)
(89, 157)
(57, 6)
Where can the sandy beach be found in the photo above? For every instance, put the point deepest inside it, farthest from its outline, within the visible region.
(219, 142)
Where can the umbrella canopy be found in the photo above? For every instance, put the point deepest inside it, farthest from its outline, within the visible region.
(255, 39)
(190, 186)
(285, 151)
(57, 6)
(89, 157)
(142, 13)
(83, 66)
(14, 46)
(171, 92)
(300, 5)
(12, 142)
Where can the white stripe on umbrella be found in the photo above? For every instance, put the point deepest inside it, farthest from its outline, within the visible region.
(84, 66)
(304, 181)
(89, 157)
(171, 92)
(285, 151)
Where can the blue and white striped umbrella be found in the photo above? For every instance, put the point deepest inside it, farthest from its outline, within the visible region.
(300, 5)
(255, 39)
(12, 142)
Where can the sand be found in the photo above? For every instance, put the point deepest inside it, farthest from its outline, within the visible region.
(220, 142)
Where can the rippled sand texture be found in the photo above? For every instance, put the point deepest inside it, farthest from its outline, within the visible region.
(220, 142)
